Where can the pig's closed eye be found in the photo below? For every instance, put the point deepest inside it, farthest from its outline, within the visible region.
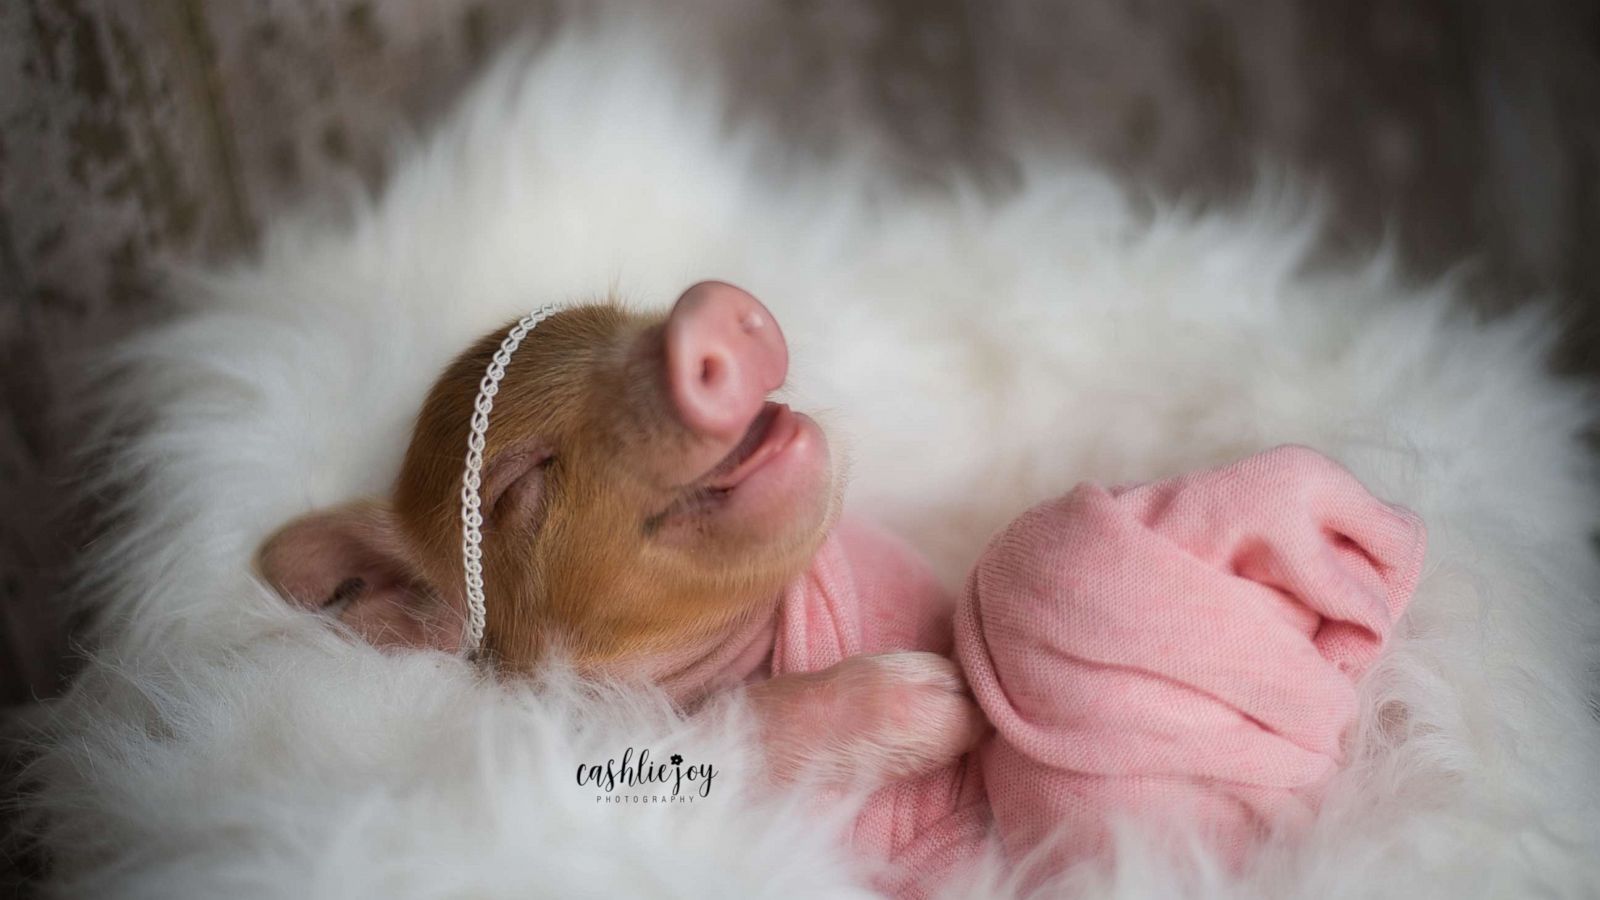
(514, 488)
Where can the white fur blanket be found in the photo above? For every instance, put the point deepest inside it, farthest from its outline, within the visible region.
(975, 354)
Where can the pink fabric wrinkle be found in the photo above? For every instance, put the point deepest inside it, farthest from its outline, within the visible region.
(1183, 653)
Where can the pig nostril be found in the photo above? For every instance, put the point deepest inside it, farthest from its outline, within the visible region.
(710, 370)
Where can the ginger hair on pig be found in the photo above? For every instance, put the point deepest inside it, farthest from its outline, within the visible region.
(597, 540)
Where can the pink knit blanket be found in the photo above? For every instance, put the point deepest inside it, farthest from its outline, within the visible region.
(1180, 653)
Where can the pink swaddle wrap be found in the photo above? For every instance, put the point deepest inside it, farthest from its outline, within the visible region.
(1180, 652)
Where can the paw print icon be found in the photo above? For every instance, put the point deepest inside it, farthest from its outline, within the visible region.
(677, 759)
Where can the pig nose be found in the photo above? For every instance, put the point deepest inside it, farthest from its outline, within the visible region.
(725, 353)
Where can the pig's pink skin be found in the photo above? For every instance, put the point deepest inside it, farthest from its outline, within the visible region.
(725, 354)
(867, 719)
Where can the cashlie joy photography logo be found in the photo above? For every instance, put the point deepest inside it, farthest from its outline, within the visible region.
(637, 778)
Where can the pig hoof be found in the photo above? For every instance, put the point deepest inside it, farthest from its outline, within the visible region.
(901, 714)
(868, 719)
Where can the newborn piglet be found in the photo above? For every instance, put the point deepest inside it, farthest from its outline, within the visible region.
(644, 507)
(1182, 654)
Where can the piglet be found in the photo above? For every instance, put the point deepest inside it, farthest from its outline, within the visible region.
(646, 506)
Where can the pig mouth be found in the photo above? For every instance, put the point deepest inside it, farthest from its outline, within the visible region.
(769, 433)
(772, 430)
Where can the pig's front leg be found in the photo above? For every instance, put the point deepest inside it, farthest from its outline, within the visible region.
(867, 719)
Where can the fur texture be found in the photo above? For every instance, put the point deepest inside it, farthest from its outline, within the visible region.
(977, 354)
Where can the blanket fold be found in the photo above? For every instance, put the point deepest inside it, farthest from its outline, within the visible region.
(1182, 653)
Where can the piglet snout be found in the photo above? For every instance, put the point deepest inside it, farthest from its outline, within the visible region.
(724, 354)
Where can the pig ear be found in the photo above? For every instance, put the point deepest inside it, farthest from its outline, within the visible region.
(353, 563)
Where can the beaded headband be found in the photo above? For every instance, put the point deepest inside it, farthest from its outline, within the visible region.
(471, 478)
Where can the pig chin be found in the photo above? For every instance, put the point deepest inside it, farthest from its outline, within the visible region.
(785, 489)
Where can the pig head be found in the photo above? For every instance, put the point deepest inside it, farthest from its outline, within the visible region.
(641, 495)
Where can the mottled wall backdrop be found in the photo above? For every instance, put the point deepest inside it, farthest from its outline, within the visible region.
(134, 133)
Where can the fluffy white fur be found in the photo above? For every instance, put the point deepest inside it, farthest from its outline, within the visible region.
(974, 354)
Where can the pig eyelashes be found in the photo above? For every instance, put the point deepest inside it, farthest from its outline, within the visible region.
(472, 475)
(518, 500)
(514, 476)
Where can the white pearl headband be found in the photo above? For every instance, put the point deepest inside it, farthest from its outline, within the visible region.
(472, 478)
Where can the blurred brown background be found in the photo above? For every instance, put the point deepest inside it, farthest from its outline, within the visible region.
(134, 132)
